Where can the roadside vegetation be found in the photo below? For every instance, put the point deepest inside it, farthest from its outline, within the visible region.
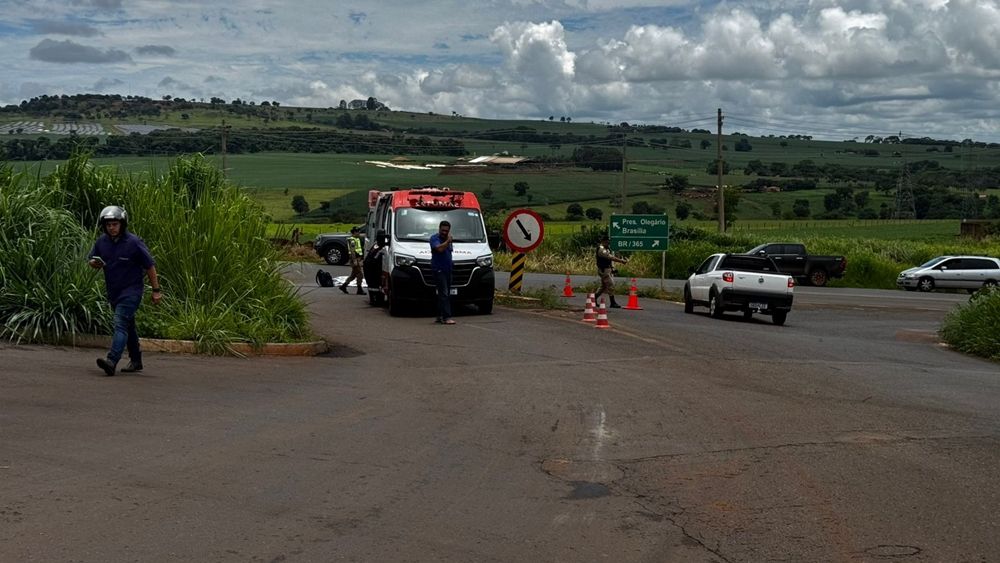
(218, 269)
(974, 327)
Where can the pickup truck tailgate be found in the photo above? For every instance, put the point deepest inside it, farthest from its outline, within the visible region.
(760, 283)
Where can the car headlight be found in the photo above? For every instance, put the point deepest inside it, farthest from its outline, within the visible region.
(404, 260)
(485, 261)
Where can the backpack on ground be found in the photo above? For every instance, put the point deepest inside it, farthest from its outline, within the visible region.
(324, 278)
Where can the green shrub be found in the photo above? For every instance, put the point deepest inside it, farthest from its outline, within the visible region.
(974, 327)
(219, 272)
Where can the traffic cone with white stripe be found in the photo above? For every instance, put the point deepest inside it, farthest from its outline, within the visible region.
(589, 316)
(602, 316)
(633, 298)
(568, 289)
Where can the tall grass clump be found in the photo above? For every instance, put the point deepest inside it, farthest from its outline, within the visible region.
(974, 327)
(219, 273)
(46, 290)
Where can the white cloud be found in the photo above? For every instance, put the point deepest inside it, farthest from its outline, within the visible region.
(873, 63)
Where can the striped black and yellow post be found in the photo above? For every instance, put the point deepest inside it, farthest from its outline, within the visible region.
(516, 272)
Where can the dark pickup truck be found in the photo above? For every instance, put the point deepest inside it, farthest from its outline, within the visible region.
(332, 247)
(792, 259)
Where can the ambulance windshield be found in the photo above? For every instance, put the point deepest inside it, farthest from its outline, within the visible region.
(419, 224)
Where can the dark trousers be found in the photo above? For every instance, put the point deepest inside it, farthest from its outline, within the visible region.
(125, 333)
(442, 280)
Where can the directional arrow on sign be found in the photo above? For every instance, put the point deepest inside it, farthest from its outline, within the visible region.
(524, 231)
(614, 224)
(656, 243)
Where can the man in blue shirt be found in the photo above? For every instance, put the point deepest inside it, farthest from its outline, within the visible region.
(441, 263)
(125, 261)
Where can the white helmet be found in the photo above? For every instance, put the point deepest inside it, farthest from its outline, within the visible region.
(113, 213)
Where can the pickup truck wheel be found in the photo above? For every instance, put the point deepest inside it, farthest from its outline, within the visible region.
(926, 284)
(335, 255)
(485, 307)
(688, 302)
(714, 306)
(779, 317)
(395, 307)
(748, 314)
(818, 277)
(990, 283)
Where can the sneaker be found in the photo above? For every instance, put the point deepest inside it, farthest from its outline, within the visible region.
(614, 305)
(132, 367)
(107, 365)
(360, 292)
(449, 321)
(343, 288)
(439, 321)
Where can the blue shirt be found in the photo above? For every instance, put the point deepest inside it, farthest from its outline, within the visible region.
(440, 260)
(125, 263)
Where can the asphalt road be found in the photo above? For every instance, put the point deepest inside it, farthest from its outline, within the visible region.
(848, 434)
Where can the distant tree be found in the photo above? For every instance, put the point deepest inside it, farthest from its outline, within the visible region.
(594, 213)
(755, 167)
(732, 204)
(598, 158)
(776, 209)
(343, 105)
(743, 145)
(551, 117)
(488, 193)
(521, 188)
(574, 211)
(344, 121)
(300, 205)
(676, 183)
(862, 198)
(801, 208)
(713, 167)
(783, 144)
(705, 143)
(371, 103)
(646, 208)
(682, 210)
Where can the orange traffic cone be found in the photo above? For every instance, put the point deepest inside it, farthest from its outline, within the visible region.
(568, 290)
(633, 298)
(602, 316)
(589, 316)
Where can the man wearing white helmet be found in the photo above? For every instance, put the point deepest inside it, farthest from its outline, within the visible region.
(125, 261)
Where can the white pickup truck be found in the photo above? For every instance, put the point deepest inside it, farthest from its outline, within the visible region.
(735, 282)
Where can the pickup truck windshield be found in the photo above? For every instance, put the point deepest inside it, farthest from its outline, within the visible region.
(747, 264)
(419, 224)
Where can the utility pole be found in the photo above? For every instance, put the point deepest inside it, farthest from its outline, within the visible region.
(225, 131)
(624, 170)
(722, 193)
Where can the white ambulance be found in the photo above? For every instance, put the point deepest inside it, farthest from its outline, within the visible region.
(398, 252)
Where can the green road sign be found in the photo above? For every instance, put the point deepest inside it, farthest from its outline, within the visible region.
(639, 232)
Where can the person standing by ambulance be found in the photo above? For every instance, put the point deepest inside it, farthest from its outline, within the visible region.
(605, 269)
(355, 258)
(125, 261)
(441, 262)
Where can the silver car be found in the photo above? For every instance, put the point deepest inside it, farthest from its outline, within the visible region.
(952, 272)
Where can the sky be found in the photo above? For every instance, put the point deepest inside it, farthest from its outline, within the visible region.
(833, 69)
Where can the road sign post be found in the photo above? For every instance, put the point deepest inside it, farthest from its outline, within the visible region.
(522, 231)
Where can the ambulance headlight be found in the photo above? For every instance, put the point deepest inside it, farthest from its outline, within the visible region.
(485, 261)
(404, 260)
